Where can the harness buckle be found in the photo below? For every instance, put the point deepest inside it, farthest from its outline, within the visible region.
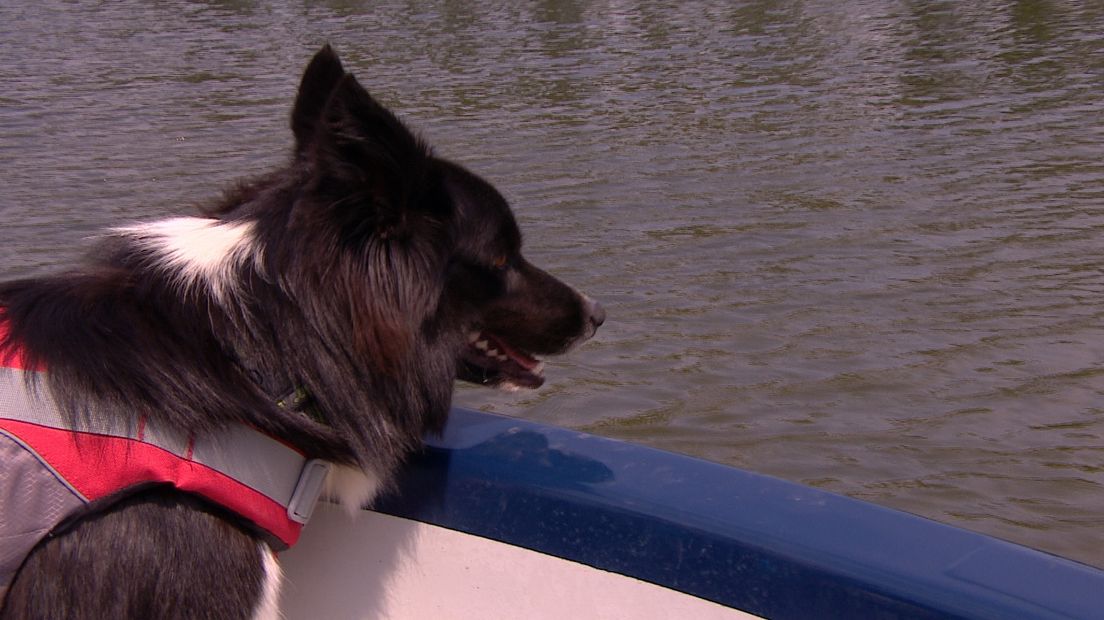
(311, 480)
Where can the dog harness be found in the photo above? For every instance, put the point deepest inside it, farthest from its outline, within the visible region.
(53, 472)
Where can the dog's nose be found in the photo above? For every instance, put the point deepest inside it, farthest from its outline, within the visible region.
(596, 313)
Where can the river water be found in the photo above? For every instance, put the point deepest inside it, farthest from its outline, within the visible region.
(855, 244)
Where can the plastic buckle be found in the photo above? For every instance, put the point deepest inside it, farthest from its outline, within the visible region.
(311, 480)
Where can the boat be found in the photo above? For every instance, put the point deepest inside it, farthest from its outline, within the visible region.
(504, 518)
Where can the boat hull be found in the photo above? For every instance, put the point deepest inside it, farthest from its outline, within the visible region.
(619, 524)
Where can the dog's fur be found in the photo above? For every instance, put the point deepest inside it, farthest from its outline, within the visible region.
(367, 272)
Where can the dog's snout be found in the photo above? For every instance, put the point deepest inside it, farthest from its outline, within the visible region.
(596, 314)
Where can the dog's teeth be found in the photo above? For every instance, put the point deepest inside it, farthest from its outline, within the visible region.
(482, 345)
(500, 357)
(473, 336)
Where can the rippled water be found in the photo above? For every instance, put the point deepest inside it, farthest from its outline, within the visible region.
(853, 244)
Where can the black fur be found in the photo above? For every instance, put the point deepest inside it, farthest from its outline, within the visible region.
(378, 262)
(158, 555)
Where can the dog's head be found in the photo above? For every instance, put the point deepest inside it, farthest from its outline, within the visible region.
(439, 245)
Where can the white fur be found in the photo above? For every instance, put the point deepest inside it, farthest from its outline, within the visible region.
(352, 487)
(198, 251)
(268, 607)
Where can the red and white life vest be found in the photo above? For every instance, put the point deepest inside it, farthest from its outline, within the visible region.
(52, 472)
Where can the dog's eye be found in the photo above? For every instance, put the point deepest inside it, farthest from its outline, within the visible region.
(500, 261)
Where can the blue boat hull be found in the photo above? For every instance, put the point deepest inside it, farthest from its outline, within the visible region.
(739, 540)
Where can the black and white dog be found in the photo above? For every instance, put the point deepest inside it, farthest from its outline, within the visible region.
(363, 277)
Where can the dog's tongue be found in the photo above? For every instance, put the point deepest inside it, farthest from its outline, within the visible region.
(523, 360)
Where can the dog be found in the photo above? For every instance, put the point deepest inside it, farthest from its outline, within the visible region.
(321, 313)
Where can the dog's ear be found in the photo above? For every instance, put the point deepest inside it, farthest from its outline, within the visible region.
(362, 150)
(321, 76)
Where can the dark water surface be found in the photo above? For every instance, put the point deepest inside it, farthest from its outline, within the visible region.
(854, 244)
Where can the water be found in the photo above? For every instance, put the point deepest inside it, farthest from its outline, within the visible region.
(853, 244)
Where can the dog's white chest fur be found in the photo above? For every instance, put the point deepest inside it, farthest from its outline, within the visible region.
(351, 487)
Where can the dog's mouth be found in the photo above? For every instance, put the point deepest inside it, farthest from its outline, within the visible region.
(489, 360)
